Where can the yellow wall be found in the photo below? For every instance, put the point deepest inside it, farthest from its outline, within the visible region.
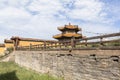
(27, 43)
(2, 49)
(9, 45)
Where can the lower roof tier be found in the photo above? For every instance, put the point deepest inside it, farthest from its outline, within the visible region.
(67, 35)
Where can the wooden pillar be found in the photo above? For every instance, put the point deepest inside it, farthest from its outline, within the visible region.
(41, 46)
(16, 43)
(51, 45)
(55, 45)
(72, 42)
(60, 45)
(38, 46)
(101, 41)
(30, 47)
(44, 44)
(86, 43)
(65, 44)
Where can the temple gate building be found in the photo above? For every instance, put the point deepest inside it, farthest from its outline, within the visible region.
(68, 32)
(19, 41)
(9, 43)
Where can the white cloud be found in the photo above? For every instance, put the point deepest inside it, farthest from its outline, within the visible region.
(88, 10)
(14, 17)
(40, 18)
(45, 7)
(13, 12)
(13, 3)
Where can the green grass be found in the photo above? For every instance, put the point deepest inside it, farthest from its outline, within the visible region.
(11, 71)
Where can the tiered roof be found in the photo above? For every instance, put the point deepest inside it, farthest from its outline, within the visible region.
(75, 29)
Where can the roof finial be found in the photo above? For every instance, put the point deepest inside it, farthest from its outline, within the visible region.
(69, 23)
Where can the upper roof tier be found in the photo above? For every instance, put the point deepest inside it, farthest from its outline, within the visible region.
(70, 27)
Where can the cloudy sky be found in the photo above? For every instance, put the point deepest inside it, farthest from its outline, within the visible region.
(40, 18)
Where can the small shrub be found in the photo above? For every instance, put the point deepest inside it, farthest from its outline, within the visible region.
(10, 49)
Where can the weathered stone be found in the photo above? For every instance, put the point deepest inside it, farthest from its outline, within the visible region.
(78, 65)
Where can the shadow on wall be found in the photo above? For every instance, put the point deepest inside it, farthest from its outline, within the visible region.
(9, 76)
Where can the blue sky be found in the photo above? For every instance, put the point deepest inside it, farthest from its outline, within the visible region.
(40, 18)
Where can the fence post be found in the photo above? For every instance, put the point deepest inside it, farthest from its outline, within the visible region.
(44, 45)
(101, 43)
(41, 46)
(86, 42)
(50, 45)
(60, 44)
(72, 42)
(65, 44)
(30, 47)
(55, 45)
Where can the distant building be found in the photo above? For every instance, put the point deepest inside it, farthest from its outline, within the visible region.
(2, 49)
(16, 41)
(9, 43)
(68, 32)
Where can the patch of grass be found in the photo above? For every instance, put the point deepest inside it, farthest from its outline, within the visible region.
(11, 71)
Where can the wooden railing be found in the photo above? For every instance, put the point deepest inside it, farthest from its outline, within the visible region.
(109, 41)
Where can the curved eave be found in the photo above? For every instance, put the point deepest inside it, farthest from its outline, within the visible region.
(72, 35)
(61, 28)
(67, 35)
(57, 36)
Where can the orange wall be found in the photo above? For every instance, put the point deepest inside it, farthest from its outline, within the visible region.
(2, 49)
(9, 45)
(27, 43)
